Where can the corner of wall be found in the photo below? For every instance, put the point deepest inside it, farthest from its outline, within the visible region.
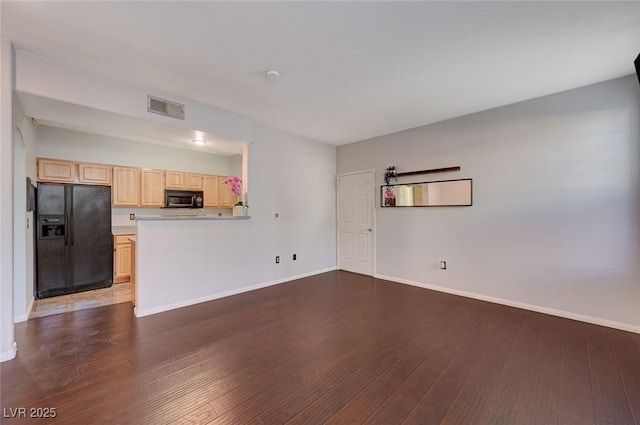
(9, 354)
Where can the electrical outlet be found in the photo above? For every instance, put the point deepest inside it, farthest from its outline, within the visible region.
(443, 265)
(277, 259)
(132, 216)
(294, 257)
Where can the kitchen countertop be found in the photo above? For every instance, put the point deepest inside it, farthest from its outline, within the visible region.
(123, 230)
(189, 217)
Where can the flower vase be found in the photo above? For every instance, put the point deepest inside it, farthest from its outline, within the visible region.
(239, 211)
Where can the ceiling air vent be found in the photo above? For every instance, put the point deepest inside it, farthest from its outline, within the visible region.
(165, 107)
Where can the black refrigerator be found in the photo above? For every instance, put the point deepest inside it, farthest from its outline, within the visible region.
(74, 245)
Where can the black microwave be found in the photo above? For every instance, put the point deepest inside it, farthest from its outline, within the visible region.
(183, 199)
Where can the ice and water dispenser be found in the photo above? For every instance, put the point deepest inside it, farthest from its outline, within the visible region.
(51, 226)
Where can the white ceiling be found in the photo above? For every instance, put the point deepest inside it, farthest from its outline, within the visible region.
(349, 70)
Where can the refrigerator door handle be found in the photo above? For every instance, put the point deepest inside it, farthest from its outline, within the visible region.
(71, 238)
(70, 214)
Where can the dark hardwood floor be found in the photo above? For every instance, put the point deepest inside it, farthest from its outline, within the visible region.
(336, 348)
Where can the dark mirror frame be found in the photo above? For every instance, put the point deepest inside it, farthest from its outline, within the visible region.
(382, 199)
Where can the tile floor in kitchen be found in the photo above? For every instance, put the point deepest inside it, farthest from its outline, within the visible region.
(117, 293)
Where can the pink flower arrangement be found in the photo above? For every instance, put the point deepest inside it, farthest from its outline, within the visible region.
(235, 183)
(389, 193)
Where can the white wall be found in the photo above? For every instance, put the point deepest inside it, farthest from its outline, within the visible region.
(555, 223)
(62, 143)
(25, 138)
(208, 259)
(290, 175)
(54, 80)
(7, 345)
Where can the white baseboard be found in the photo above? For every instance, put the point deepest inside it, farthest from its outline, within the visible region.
(546, 310)
(141, 313)
(8, 355)
(24, 317)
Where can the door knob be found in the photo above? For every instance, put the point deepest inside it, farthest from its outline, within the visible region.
(369, 229)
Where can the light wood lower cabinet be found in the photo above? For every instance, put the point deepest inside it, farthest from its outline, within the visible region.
(126, 187)
(122, 258)
(133, 279)
(151, 188)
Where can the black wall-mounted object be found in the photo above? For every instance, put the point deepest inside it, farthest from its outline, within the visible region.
(31, 195)
(433, 170)
(637, 63)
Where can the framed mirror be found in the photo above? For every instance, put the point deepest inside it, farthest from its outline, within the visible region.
(445, 193)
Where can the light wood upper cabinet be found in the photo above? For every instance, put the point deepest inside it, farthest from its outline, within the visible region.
(193, 181)
(151, 188)
(211, 191)
(126, 187)
(54, 170)
(227, 200)
(94, 174)
(174, 180)
(136, 187)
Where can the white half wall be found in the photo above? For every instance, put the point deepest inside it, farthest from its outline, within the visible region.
(555, 221)
(184, 262)
(7, 344)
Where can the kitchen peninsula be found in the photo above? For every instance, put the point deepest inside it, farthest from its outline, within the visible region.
(183, 260)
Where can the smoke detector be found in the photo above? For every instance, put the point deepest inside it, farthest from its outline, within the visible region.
(272, 74)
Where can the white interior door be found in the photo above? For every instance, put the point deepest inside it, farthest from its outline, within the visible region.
(355, 222)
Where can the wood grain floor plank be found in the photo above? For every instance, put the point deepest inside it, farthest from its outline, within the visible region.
(346, 359)
(179, 390)
(377, 352)
(311, 390)
(509, 402)
(575, 403)
(200, 415)
(472, 392)
(609, 396)
(462, 346)
(626, 355)
(414, 401)
(336, 347)
(540, 404)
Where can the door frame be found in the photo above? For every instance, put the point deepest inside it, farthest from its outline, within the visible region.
(372, 171)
